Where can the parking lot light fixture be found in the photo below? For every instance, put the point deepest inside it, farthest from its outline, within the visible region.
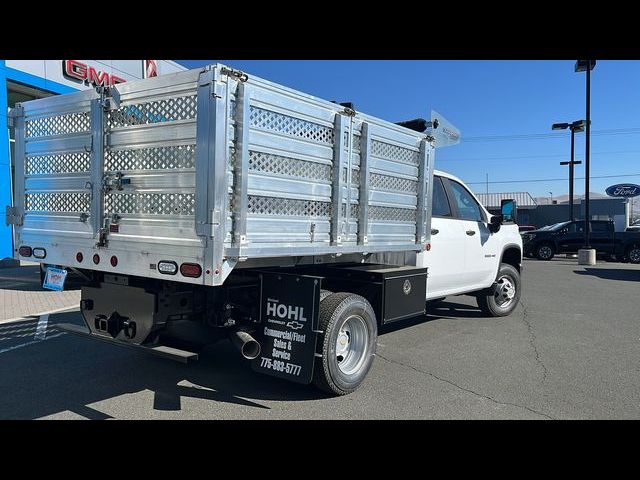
(586, 66)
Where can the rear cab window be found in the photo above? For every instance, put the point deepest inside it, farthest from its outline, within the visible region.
(441, 207)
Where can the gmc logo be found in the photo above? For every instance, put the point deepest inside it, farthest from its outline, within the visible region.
(78, 71)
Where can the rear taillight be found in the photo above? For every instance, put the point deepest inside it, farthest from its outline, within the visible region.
(39, 252)
(79, 257)
(167, 267)
(25, 251)
(96, 258)
(192, 270)
(114, 261)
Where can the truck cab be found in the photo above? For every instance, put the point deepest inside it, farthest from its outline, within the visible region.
(464, 239)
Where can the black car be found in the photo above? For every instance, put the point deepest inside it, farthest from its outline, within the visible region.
(568, 237)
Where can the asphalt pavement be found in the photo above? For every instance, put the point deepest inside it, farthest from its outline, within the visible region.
(570, 351)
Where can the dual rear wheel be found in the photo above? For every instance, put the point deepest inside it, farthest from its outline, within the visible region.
(347, 342)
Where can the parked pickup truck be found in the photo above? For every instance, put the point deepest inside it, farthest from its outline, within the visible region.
(568, 237)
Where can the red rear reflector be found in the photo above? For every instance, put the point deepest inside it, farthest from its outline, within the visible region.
(192, 270)
(114, 261)
(79, 257)
(96, 259)
(25, 251)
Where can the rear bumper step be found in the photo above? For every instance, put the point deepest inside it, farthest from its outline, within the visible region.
(171, 353)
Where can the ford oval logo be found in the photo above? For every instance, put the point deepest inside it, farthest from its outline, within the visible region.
(623, 190)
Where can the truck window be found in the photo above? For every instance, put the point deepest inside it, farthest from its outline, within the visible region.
(600, 226)
(441, 206)
(468, 208)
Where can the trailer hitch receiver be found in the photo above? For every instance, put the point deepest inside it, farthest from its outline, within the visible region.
(114, 324)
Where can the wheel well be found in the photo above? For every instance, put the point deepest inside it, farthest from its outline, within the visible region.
(513, 257)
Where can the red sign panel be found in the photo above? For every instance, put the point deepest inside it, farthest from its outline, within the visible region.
(150, 69)
(81, 72)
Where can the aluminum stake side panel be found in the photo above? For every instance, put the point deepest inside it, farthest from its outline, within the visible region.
(114, 179)
(301, 164)
(214, 167)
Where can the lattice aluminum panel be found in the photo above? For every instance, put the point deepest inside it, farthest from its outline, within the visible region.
(157, 111)
(392, 214)
(77, 122)
(156, 158)
(151, 203)
(356, 142)
(277, 164)
(57, 163)
(355, 176)
(288, 207)
(387, 182)
(278, 122)
(57, 202)
(353, 211)
(393, 152)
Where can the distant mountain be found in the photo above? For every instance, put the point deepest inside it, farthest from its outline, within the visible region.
(565, 198)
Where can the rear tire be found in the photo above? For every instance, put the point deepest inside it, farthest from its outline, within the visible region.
(545, 252)
(633, 254)
(347, 343)
(503, 299)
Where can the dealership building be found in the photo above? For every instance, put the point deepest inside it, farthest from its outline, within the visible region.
(24, 80)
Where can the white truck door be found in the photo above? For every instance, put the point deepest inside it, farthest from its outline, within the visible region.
(445, 259)
(480, 247)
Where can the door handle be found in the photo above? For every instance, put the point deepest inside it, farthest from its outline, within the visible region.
(471, 232)
(434, 231)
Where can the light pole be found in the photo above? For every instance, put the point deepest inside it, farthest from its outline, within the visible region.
(577, 126)
(550, 198)
(586, 66)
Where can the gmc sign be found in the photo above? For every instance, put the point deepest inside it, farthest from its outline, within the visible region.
(78, 71)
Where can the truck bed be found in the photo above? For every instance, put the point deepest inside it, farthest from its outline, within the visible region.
(213, 167)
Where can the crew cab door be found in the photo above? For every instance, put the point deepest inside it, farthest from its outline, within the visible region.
(445, 259)
(602, 236)
(481, 255)
(570, 238)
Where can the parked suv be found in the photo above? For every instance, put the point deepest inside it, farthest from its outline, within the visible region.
(568, 237)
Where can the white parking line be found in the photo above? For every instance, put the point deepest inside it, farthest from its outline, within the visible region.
(25, 317)
(41, 331)
(32, 342)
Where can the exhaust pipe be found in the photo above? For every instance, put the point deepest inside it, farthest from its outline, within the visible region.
(248, 346)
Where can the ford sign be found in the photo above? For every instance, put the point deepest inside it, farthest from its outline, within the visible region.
(623, 190)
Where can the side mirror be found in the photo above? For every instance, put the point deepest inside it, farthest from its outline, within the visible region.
(495, 222)
(509, 211)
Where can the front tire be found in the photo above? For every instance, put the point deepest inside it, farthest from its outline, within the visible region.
(347, 343)
(545, 252)
(503, 299)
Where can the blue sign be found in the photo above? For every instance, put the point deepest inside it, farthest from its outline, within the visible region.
(623, 190)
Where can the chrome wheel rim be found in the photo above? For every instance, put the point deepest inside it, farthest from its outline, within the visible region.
(545, 252)
(634, 255)
(351, 344)
(505, 291)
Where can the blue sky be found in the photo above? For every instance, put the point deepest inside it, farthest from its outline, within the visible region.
(490, 98)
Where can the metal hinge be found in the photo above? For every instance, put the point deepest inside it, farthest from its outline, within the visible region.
(350, 112)
(215, 221)
(232, 72)
(12, 216)
(109, 97)
(114, 181)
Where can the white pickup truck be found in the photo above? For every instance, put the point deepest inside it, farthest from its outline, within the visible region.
(212, 204)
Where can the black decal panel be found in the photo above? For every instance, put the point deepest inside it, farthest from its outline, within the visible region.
(288, 324)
